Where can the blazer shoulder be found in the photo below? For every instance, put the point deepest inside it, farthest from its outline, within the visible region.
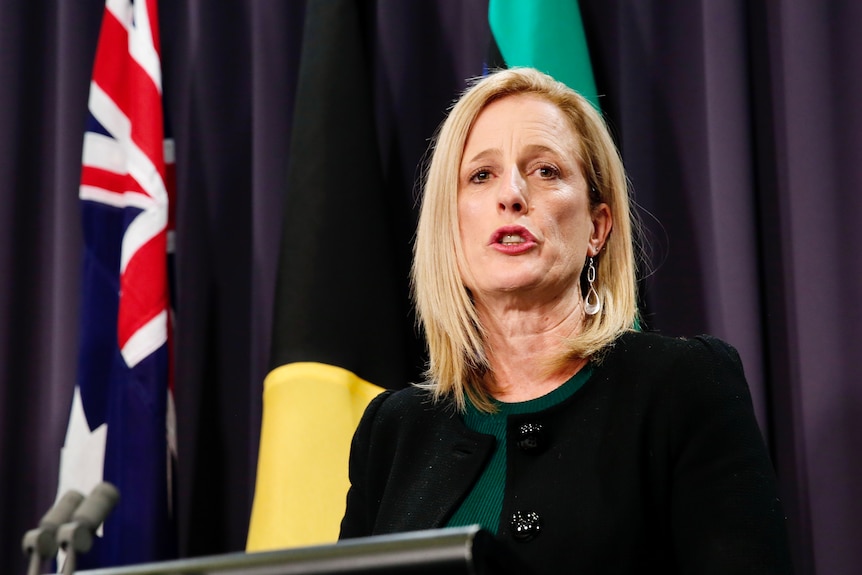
(408, 400)
(653, 351)
(405, 408)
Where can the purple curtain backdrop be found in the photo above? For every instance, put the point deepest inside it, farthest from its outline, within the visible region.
(739, 123)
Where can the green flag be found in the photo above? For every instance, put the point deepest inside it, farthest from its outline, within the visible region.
(547, 35)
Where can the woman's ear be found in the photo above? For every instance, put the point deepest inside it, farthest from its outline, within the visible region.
(603, 222)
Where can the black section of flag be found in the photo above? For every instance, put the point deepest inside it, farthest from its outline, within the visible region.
(342, 287)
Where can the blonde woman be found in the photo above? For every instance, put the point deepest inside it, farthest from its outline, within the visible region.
(545, 417)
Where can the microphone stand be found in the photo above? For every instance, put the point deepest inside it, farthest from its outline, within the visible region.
(34, 564)
(74, 537)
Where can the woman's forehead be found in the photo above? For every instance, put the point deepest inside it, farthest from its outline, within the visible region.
(523, 121)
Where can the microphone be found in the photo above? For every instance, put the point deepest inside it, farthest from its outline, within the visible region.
(76, 536)
(96, 507)
(41, 543)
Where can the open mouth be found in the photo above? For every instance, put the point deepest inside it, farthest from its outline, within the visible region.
(512, 239)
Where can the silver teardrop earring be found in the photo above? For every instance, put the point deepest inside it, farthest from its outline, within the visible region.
(592, 303)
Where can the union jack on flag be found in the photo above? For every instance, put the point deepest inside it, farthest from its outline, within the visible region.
(121, 426)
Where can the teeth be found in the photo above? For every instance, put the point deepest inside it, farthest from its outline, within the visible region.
(511, 239)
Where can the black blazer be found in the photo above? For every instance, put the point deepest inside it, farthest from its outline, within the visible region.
(655, 465)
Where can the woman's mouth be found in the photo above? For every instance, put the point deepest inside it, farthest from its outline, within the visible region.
(512, 239)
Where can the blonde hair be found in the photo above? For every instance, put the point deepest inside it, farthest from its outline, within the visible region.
(453, 331)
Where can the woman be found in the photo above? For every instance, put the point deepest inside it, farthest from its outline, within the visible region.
(546, 417)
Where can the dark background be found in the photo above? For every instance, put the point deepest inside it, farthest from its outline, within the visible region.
(740, 125)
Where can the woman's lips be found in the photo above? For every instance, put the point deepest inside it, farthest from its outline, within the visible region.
(512, 240)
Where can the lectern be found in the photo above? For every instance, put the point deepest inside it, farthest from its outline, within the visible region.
(450, 551)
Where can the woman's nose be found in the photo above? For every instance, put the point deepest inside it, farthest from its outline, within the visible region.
(513, 196)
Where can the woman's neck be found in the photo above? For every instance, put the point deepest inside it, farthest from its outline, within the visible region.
(523, 343)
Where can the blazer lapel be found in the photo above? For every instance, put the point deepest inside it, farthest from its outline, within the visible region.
(443, 461)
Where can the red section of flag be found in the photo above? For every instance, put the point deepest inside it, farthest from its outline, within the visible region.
(131, 89)
(143, 289)
(109, 181)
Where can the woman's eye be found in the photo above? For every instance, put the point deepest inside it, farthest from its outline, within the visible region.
(480, 176)
(548, 172)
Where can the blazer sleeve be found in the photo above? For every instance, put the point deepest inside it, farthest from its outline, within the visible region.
(725, 512)
(358, 520)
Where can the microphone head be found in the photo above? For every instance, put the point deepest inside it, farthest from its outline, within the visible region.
(42, 541)
(62, 510)
(96, 506)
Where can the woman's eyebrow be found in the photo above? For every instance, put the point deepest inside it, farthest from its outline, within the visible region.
(486, 154)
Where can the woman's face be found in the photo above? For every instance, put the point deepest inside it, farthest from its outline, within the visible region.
(523, 207)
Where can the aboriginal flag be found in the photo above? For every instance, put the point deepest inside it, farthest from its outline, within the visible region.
(342, 309)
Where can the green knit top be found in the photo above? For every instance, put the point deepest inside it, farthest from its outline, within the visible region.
(484, 503)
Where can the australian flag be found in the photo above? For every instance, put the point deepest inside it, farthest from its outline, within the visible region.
(121, 424)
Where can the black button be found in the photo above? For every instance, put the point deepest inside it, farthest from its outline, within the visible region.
(531, 437)
(525, 525)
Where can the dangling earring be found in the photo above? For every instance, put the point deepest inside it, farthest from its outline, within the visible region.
(592, 303)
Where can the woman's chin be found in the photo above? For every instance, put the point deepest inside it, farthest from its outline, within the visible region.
(534, 289)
